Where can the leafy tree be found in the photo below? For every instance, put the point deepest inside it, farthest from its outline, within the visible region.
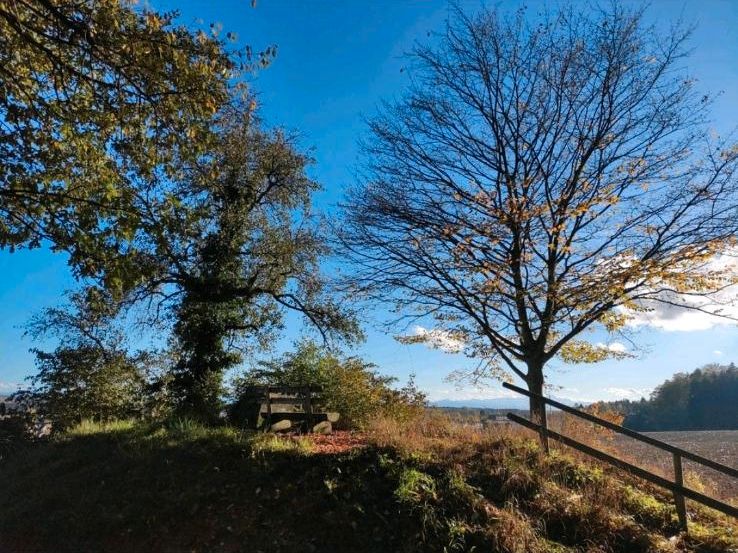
(350, 386)
(95, 96)
(84, 382)
(114, 122)
(225, 243)
(89, 375)
(538, 181)
(669, 402)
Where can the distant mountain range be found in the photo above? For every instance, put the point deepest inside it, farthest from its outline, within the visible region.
(491, 403)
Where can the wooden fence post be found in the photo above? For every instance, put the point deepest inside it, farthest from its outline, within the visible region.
(543, 432)
(681, 507)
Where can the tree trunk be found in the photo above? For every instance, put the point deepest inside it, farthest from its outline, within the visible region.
(537, 406)
(197, 389)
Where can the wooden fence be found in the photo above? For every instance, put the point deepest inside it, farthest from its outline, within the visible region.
(676, 486)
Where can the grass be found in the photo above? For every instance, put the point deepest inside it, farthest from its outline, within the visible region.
(133, 487)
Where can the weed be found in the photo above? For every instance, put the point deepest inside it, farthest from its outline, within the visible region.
(88, 427)
(707, 540)
(264, 444)
(648, 510)
(415, 487)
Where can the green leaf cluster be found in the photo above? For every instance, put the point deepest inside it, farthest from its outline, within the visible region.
(95, 96)
(350, 386)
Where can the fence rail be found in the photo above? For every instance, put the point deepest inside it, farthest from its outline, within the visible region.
(676, 487)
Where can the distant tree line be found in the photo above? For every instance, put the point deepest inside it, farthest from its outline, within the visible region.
(706, 399)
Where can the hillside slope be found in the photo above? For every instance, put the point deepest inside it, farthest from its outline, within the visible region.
(136, 488)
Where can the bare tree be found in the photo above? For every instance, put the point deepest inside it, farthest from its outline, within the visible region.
(539, 180)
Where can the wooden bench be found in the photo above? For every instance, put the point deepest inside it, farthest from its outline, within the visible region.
(280, 408)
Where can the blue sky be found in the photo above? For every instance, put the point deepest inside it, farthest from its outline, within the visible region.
(335, 62)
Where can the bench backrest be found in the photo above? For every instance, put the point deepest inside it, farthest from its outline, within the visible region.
(286, 399)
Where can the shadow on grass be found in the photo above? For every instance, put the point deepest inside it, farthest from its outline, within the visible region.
(134, 489)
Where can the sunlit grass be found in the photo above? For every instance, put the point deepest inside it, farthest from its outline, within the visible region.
(89, 427)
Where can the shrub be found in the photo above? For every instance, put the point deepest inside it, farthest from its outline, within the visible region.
(14, 432)
(350, 386)
(86, 382)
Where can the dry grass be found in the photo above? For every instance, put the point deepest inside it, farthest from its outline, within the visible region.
(604, 439)
(433, 430)
(560, 501)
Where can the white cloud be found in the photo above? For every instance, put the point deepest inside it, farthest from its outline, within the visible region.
(615, 347)
(627, 393)
(675, 319)
(693, 312)
(439, 339)
(717, 352)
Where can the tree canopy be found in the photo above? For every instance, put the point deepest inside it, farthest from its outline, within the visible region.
(238, 248)
(225, 243)
(538, 180)
(93, 95)
(90, 374)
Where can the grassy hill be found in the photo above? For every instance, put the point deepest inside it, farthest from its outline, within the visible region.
(181, 487)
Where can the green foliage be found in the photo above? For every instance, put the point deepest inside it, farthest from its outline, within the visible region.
(90, 427)
(648, 510)
(706, 399)
(263, 445)
(229, 245)
(85, 382)
(350, 386)
(95, 97)
(415, 487)
(90, 375)
(237, 249)
(126, 143)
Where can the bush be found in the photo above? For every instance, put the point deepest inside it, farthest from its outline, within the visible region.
(14, 432)
(86, 382)
(350, 386)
